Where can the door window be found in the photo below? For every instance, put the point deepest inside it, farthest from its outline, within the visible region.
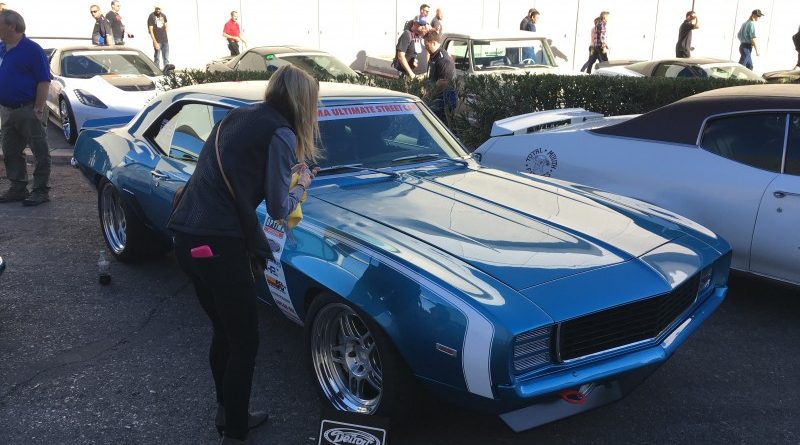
(252, 62)
(459, 51)
(792, 166)
(182, 131)
(752, 139)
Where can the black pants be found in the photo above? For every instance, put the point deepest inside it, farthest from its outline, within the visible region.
(224, 286)
(595, 55)
(233, 47)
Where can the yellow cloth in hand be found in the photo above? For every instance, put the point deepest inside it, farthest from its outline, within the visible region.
(296, 215)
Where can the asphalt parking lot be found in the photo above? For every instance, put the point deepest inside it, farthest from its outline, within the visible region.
(82, 363)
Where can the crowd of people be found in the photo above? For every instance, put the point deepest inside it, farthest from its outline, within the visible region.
(109, 30)
(419, 51)
(598, 46)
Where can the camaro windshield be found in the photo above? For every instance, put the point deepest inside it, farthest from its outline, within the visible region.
(370, 135)
(87, 64)
(375, 135)
(517, 53)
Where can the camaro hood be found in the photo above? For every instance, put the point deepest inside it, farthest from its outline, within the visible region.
(519, 230)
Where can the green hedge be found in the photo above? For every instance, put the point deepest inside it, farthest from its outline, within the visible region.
(485, 99)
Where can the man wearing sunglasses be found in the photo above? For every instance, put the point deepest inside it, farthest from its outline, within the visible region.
(101, 34)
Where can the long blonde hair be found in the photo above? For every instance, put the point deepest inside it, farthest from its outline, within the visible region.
(294, 93)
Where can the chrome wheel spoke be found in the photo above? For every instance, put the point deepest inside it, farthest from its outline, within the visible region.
(375, 380)
(338, 354)
(348, 328)
(357, 386)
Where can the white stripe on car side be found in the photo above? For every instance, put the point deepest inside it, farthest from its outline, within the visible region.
(479, 335)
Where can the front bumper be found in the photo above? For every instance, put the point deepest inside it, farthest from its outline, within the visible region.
(565, 393)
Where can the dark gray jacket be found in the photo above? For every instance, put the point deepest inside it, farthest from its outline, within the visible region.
(257, 150)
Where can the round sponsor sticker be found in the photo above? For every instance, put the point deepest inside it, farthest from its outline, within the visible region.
(541, 161)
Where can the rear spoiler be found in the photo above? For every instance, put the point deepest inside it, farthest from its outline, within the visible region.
(542, 120)
(378, 67)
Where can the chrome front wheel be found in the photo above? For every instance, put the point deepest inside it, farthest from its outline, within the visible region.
(346, 360)
(67, 119)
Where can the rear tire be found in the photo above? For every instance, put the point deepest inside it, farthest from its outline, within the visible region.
(354, 365)
(128, 239)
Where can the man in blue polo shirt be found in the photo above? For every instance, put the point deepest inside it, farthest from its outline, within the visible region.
(24, 81)
(747, 39)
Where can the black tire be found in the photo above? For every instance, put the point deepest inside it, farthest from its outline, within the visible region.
(67, 120)
(397, 383)
(128, 239)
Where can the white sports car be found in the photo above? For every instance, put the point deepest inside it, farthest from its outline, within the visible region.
(728, 159)
(99, 82)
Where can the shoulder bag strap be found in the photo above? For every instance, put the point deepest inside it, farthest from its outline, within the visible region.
(219, 161)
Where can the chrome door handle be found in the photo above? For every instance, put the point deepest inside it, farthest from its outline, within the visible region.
(782, 194)
(157, 174)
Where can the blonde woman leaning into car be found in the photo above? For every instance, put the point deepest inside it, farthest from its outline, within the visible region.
(217, 233)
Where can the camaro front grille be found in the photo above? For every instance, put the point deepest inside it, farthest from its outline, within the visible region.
(532, 350)
(625, 324)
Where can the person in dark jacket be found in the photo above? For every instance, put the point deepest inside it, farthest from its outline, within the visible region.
(102, 34)
(217, 233)
(439, 91)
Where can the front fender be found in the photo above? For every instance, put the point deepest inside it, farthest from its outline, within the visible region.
(444, 334)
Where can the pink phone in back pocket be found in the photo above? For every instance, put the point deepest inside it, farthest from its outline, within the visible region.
(203, 251)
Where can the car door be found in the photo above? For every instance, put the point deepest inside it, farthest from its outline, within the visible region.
(179, 138)
(754, 142)
(776, 239)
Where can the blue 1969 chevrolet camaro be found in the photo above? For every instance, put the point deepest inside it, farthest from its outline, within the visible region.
(515, 295)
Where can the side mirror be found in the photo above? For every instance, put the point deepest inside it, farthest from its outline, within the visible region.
(2, 265)
(169, 68)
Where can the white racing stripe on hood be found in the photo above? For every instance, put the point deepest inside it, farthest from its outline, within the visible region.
(479, 335)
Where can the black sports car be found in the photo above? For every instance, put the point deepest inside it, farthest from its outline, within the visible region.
(269, 58)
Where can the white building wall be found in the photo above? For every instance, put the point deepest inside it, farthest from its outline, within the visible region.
(638, 29)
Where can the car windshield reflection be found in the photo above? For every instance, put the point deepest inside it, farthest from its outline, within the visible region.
(87, 64)
(378, 135)
(510, 53)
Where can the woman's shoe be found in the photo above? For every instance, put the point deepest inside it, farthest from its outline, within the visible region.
(254, 419)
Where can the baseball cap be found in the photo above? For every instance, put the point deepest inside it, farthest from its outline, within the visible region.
(758, 13)
(421, 21)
